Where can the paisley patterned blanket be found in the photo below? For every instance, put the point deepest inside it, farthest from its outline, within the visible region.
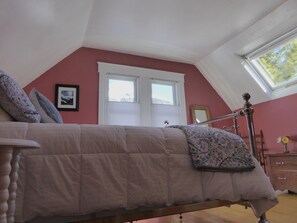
(214, 149)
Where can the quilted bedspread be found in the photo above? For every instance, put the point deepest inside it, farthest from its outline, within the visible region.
(82, 169)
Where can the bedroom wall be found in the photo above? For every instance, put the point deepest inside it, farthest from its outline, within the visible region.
(276, 118)
(80, 68)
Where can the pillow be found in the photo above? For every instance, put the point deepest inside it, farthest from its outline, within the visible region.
(48, 112)
(14, 100)
(5, 117)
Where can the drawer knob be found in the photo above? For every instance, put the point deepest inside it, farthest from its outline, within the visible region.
(279, 163)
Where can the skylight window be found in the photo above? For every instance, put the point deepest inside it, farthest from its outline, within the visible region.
(276, 62)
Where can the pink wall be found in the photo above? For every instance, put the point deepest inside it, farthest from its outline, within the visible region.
(278, 118)
(80, 68)
(275, 118)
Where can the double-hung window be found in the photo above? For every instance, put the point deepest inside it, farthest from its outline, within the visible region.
(165, 105)
(274, 65)
(140, 97)
(122, 100)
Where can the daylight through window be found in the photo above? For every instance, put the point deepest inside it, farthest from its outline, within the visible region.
(276, 63)
(121, 89)
(139, 96)
(163, 93)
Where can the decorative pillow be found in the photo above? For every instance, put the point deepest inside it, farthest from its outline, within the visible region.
(48, 112)
(14, 100)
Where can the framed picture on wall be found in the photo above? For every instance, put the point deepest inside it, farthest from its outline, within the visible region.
(67, 97)
(200, 114)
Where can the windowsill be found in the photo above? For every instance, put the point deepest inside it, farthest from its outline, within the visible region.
(282, 92)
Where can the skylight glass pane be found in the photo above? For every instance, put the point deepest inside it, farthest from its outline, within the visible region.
(279, 65)
(163, 93)
(121, 90)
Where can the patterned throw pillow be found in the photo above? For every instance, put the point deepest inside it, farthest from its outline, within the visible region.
(14, 100)
(48, 112)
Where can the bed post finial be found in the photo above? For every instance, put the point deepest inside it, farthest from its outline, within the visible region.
(248, 110)
(246, 96)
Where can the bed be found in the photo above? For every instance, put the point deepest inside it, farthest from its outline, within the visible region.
(94, 173)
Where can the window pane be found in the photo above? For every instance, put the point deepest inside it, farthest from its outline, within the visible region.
(279, 65)
(163, 94)
(121, 90)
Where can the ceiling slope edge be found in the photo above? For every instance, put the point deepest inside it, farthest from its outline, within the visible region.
(39, 37)
(223, 67)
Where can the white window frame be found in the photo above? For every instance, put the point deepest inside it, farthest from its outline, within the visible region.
(285, 88)
(145, 76)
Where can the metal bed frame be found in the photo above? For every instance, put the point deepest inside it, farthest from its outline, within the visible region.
(139, 214)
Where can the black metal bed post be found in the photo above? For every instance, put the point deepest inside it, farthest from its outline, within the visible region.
(248, 110)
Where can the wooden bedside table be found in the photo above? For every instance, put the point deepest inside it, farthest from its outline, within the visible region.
(9, 158)
(283, 171)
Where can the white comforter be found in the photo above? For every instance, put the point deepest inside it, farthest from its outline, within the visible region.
(81, 169)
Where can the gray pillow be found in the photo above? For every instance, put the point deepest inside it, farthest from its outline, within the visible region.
(48, 112)
(14, 100)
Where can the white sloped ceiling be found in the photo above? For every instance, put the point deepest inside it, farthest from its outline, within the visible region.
(223, 68)
(37, 34)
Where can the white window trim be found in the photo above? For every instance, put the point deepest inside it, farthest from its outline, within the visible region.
(286, 88)
(145, 76)
(273, 43)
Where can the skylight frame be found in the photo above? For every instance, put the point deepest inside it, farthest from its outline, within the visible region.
(256, 70)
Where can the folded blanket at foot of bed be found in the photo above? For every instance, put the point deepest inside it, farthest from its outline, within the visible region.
(214, 149)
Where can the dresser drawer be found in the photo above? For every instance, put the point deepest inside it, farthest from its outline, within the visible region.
(283, 163)
(283, 171)
(284, 179)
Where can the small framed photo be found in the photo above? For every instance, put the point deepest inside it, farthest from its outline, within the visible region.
(67, 97)
(200, 114)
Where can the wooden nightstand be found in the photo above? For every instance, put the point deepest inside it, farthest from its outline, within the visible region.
(283, 171)
(9, 158)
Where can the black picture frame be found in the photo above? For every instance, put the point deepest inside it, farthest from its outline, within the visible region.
(67, 97)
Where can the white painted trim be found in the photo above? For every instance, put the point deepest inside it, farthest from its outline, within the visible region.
(145, 75)
(223, 68)
(257, 70)
(277, 41)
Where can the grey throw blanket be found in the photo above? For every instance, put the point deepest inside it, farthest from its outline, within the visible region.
(217, 150)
